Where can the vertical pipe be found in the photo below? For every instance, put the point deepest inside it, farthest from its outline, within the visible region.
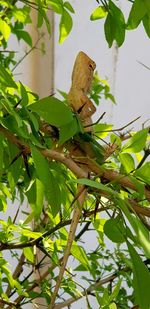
(41, 64)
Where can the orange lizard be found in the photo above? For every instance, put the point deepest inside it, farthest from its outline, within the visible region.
(82, 77)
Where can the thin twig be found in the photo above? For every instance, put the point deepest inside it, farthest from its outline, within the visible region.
(74, 223)
(8, 51)
(87, 291)
(29, 51)
(145, 66)
(96, 122)
(5, 302)
(121, 128)
(35, 5)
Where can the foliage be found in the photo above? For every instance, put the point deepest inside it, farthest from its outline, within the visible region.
(38, 167)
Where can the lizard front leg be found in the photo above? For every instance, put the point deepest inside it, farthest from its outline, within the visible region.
(83, 106)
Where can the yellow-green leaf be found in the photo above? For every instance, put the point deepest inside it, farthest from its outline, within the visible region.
(137, 142)
(102, 129)
(98, 13)
(65, 26)
(144, 172)
(28, 252)
(127, 161)
(79, 253)
(5, 29)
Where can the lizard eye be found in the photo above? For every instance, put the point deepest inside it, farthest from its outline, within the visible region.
(90, 66)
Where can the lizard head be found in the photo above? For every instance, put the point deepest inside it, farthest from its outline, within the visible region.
(83, 72)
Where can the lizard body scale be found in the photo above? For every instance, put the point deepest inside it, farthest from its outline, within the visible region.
(77, 97)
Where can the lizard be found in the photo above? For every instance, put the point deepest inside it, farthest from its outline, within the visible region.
(77, 98)
(82, 77)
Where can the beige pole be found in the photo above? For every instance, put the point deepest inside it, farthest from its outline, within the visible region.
(40, 66)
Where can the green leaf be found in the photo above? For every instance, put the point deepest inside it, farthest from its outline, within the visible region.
(109, 28)
(137, 13)
(144, 173)
(115, 292)
(115, 139)
(112, 306)
(5, 190)
(147, 4)
(53, 111)
(43, 17)
(93, 184)
(79, 253)
(30, 234)
(111, 97)
(113, 230)
(24, 95)
(140, 187)
(39, 198)
(127, 161)
(141, 279)
(104, 300)
(3, 203)
(52, 190)
(101, 129)
(137, 142)
(69, 7)
(65, 26)
(6, 78)
(28, 252)
(141, 233)
(24, 35)
(35, 195)
(114, 25)
(22, 15)
(5, 29)
(57, 6)
(1, 153)
(119, 23)
(146, 24)
(68, 131)
(63, 94)
(98, 13)
(15, 168)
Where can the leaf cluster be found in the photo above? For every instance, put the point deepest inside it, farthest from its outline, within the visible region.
(115, 25)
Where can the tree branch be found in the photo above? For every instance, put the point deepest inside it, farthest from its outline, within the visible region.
(71, 236)
(87, 291)
(108, 174)
(10, 303)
